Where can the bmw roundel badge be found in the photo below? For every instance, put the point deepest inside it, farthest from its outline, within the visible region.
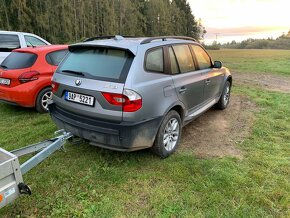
(78, 82)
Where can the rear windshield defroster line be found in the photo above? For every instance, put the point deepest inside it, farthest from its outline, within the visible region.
(99, 63)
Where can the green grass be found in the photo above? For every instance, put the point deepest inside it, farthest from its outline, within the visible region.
(255, 60)
(88, 182)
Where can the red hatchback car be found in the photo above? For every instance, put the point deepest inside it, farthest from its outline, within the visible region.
(25, 75)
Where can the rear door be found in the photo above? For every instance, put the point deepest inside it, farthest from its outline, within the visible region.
(212, 77)
(8, 42)
(188, 82)
(86, 75)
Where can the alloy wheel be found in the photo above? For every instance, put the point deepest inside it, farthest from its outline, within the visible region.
(171, 134)
(45, 98)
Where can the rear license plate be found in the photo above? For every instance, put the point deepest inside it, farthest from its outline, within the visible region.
(79, 98)
(4, 81)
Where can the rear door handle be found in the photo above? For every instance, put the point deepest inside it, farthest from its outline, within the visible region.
(207, 82)
(182, 90)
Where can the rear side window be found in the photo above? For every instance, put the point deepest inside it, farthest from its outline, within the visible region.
(173, 62)
(154, 60)
(202, 57)
(98, 63)
(19, 60)
(33, 41)
(184, 58)
(55, 57)
(8, 42)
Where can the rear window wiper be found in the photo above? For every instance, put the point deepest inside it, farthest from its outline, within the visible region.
(3, 66)
(73, 72)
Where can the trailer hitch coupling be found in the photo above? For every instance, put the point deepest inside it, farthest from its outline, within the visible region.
(24, 189)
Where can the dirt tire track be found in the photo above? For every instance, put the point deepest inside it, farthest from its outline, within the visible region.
(216, 132)
(267, 81)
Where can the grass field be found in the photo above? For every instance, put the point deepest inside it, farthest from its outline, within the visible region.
(254, 60)
(90, 182)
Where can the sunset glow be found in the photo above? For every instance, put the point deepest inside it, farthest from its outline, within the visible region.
(229, 20)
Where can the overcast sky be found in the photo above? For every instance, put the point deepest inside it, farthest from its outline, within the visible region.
(240, 19)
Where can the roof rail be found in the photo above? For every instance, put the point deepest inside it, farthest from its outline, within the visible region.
(164, 38)
(117, 37)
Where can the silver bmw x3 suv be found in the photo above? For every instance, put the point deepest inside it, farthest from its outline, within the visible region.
(128, 94)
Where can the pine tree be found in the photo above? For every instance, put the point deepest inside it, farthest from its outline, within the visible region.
(68, 21)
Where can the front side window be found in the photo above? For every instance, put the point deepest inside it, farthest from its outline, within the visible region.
(18, 60)
(55, 57)
(202, 57)
(32, 41)
(184, 58)
(97, 63)
(154, 60)
(9, 42)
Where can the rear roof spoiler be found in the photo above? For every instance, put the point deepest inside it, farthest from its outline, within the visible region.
(116, 37)
(84, 45)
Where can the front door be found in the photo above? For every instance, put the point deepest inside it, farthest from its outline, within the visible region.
(212, 77)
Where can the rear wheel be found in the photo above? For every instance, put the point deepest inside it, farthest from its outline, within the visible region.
(168, 136)
(225, 97)
(42, 100)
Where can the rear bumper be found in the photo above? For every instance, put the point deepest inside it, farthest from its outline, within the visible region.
(124, 136)
(17, 96)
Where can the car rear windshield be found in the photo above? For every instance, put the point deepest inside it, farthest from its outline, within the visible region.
(98, 63)
(18, 60)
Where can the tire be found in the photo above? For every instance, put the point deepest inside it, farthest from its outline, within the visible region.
(42, 100)
(160, 147)
(225, 97)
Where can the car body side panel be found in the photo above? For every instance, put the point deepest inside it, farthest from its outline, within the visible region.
(154, 88)
(44, 79)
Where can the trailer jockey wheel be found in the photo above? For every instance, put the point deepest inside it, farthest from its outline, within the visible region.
(24, 189)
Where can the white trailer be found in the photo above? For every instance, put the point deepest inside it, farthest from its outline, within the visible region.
(11, 172)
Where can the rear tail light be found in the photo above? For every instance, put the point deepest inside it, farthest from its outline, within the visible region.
(28, 76)
(130, 101)
(54, 86)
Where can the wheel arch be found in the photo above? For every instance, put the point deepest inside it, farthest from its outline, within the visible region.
(178, 107)
(230, 79)
(179, 110)
(38, 92)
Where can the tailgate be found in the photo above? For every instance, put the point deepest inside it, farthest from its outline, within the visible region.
(98, 108)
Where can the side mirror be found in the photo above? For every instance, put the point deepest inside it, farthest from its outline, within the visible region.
(217, 64)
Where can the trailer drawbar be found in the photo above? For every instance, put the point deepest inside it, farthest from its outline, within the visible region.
(11, 172)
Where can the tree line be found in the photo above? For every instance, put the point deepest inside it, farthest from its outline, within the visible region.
(282, 42)
(64, 21)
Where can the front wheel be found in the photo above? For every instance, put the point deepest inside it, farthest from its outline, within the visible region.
(225, 97)
(168, 136)
(42, 100)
